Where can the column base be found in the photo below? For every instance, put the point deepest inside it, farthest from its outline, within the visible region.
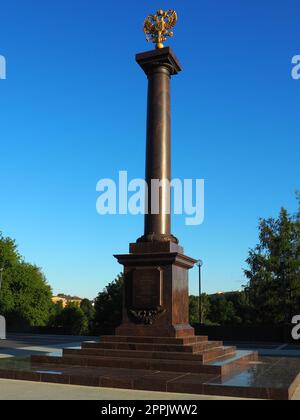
(172, 331)
(154, 237)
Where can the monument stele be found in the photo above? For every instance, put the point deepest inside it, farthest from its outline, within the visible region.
(156, 299)
(155, 348)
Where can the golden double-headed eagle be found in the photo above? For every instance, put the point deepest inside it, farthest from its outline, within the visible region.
(158, 27)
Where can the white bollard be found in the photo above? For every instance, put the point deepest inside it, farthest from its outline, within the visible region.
(2, 328)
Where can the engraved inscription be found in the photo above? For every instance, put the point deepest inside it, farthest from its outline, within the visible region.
(147, 288)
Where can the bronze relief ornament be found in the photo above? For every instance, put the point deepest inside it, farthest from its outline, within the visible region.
(147, 316)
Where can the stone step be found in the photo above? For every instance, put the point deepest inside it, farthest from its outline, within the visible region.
(154, 340)
(217, 353)
(268, 378)
(187, 348)
(136, 363)
(203, 356)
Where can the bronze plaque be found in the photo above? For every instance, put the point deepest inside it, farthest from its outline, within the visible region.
(147, 288)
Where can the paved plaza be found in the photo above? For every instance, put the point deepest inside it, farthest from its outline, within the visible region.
(23, 390)
(22, 345)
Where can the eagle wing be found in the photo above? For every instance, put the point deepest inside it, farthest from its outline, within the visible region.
(149, 27)
(172, 20)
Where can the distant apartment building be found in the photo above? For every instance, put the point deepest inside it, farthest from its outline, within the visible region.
(66, 300)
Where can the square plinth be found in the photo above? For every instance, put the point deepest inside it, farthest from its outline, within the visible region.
(156, 298)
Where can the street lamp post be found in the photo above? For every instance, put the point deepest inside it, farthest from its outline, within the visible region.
(199, 265)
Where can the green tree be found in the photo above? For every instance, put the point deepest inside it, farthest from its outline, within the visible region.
(108, 305)
(9, 255)
(194, 308)
(273, 288)
(241, 306)
(222, 311)
(88, 309)
(55, 311)
(73, 319)
(25, 296)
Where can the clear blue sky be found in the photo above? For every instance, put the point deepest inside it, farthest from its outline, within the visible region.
(73, 111)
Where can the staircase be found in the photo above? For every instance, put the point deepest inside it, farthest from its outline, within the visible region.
(193, 354)
(188, 365)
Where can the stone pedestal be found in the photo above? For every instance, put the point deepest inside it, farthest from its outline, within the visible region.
(156, 300)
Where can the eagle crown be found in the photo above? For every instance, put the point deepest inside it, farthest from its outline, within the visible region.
(158, 27)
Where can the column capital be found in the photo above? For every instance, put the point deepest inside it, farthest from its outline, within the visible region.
(161, 57)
